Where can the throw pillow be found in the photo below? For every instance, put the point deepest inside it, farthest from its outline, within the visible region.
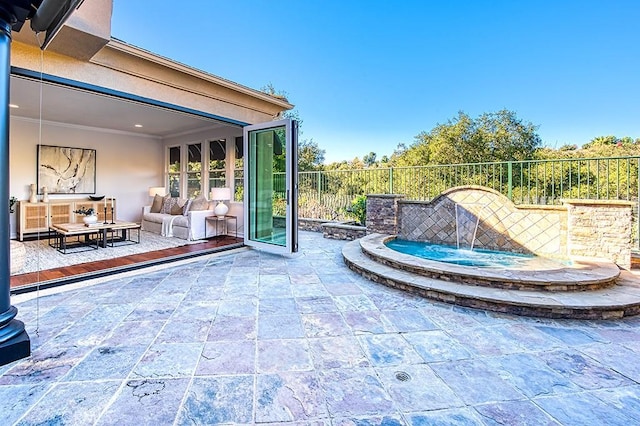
(168, 205)
(156, 206)
(176, 209)
(199, 203)
(187, 206)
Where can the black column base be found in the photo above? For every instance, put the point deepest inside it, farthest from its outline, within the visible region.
(16, 348)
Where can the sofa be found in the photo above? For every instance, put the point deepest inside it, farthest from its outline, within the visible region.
(178, 218)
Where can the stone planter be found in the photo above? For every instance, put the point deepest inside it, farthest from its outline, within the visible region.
(343, 231)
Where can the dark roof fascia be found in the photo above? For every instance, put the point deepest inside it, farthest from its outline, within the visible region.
(49, 78)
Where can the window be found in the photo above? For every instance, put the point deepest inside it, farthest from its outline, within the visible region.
(194, 170)
(173, 169)
(238, 171)
(217, 163)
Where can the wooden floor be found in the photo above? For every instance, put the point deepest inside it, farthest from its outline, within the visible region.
(68, 274)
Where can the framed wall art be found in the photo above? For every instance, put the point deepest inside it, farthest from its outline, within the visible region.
(64, 170)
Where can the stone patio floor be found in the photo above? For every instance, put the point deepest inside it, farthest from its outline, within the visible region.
(252, 337)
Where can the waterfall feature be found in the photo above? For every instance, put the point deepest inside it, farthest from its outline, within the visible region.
(467, 221)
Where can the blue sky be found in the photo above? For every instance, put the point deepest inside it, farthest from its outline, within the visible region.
(368, 75)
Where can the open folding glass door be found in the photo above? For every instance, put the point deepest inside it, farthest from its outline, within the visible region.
(271, 186)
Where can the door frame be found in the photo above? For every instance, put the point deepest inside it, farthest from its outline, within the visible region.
(291, 186)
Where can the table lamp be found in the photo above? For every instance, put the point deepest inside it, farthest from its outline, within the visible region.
(157, 190)
(220, 195)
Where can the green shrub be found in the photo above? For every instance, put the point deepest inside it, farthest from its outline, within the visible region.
(358, 209)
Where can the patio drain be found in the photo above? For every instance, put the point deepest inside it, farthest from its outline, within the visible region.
(402, 376)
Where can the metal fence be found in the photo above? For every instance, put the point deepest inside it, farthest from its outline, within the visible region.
(329, 194)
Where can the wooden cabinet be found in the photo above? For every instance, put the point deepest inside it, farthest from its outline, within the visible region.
(59, 212)
(32, 217)
(37, 217)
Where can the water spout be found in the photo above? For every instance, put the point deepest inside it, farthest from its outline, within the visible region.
(464, 214)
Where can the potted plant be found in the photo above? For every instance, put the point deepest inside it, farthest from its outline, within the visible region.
(12, 202)
(89, 215)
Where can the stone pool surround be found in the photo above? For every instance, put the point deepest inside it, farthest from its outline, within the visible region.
(594, 228)
(541, 275)
(614, 302)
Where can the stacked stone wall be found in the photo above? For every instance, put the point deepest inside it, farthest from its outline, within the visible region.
(600, 229)
(592, 228)
(314, 225)
(382, 213)
(342, 231)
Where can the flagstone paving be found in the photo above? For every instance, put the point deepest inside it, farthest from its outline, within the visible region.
(253, 337)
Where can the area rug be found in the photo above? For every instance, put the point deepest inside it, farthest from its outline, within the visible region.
(40, 256)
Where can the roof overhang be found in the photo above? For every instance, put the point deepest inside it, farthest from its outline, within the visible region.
(74, 104)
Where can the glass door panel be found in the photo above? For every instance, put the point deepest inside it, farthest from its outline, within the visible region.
(194, 170)
(174, 170)
(270, 186)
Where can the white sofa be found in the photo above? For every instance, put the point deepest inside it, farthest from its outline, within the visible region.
(190, 227)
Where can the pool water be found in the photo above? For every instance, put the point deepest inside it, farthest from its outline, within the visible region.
(449, 254)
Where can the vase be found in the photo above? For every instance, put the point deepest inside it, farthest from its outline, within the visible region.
(88, 220)
(34, 196)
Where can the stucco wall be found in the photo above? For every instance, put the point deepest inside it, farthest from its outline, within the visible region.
(115, 69)
(126, 165)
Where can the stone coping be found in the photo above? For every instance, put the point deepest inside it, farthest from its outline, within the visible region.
(618, 203)
(539, 274)
(386, 195)
(339, 225)
(617, 301)
(547, 207)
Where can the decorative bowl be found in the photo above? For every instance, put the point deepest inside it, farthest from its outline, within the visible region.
(96, 197)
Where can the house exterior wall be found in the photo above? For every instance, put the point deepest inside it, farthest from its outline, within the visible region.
(87, 30)
(84, 52)
(120, 67)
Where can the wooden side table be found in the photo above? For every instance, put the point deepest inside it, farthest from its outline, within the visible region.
(217, 220)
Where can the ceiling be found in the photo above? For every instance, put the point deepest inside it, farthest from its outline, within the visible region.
(84, 108)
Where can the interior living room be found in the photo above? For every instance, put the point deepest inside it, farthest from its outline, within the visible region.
(150, 124)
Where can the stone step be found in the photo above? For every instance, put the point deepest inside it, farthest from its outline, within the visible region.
(617, 301)
(538, 273)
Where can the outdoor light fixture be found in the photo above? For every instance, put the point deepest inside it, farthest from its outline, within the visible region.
(220, 195)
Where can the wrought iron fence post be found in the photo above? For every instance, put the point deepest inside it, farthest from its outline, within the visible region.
(510, 180)
(319, 186)
(391, 180)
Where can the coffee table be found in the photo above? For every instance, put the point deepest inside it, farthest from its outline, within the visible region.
(91, 236)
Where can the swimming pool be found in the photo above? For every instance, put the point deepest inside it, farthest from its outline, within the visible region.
(449, 254)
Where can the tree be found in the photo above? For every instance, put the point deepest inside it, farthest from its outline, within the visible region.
(369, 159)
(499, 136)
(310, 156)
(270, 90)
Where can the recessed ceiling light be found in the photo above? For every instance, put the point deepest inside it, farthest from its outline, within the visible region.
(14, 106)
(138, 125)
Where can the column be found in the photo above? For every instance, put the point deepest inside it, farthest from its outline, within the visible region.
(14, 341)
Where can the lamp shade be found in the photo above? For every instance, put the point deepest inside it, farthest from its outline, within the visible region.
(157, 190)
(220, 194)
